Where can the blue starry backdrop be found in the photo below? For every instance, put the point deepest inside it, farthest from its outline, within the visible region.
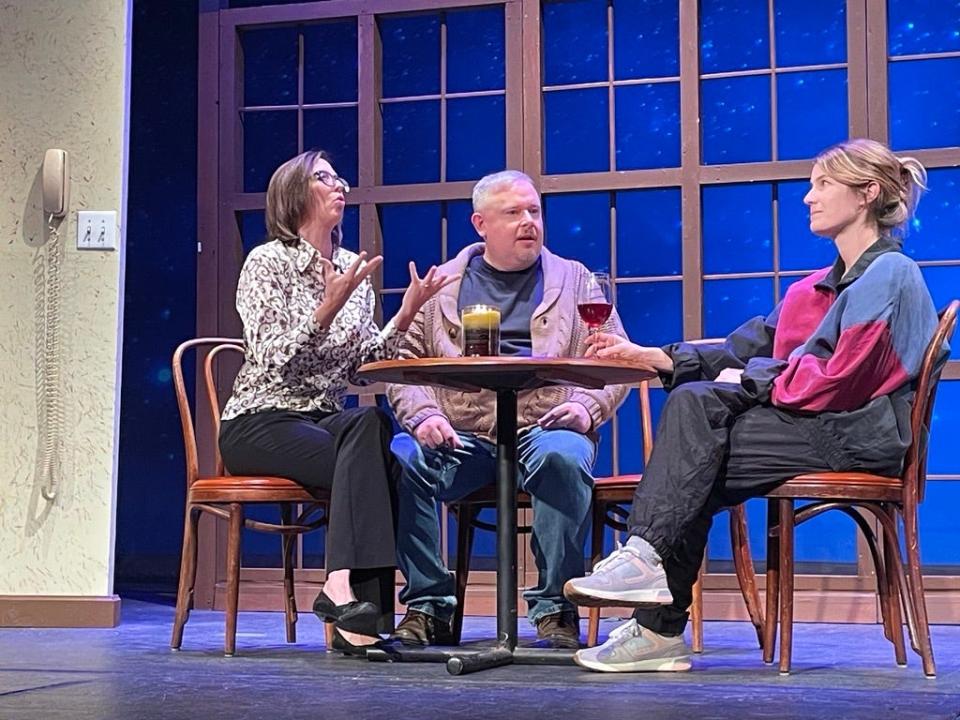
(771, 88)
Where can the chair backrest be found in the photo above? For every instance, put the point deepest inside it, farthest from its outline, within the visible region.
(366, 395)
(915, 463)
(646, 420)
(208, 390)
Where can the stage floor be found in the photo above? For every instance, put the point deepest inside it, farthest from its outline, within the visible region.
(840, 671)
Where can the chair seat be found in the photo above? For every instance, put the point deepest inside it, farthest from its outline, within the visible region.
(243, 488)
(840, 486)
(616, 488)
(487, 495)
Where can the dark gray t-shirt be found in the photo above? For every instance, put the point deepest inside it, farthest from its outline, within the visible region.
(516, 293)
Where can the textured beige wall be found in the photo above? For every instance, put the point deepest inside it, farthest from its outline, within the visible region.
(63, 75)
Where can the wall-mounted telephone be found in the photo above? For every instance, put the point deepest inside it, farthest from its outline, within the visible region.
(56, 201)
(56, 183)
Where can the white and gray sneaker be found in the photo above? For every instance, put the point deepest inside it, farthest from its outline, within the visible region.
(634, 648)
(631, 575)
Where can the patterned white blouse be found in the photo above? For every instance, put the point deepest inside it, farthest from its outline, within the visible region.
(290, 361)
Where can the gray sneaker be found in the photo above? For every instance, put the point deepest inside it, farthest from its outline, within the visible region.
(633, 648)
(631, 575)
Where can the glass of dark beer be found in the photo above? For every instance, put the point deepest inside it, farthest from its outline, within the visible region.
(481, 330)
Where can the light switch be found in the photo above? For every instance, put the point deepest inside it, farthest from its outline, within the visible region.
(97, 230)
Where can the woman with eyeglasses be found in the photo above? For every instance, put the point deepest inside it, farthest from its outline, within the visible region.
(307, 306)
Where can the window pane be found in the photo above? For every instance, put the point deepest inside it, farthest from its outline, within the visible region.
(411, 231)
(737, 228)
(603, 465)
(734, 35)
(270, 66)
(646, 39)
(735, 113)
(942, 457)
(574, 41)
(810, 32)
(718, 542)
(925, 103)
(476, 137)
(325, 47)
(411, 142)
(460, 232)
(648, 232)
(253, 229)
(578, 228)
(390, 305)
(475, 49)
(935, 230)
(269, 138)
(800, 249)
(261, 549)
(411, 55)
(351, 228)
(828, 538)
(334, 130)
(811, 112)
(938, 524)
(922, 26)
(727, 304)
(944, 285)
(577, 131)
(631, 434)
(648, 126)
(652, 312)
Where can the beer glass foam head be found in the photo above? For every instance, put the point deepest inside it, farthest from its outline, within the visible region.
(481, 330)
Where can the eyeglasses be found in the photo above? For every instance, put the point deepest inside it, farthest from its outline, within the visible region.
(331, 180)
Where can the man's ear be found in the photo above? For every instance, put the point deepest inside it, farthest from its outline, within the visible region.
(478, 225)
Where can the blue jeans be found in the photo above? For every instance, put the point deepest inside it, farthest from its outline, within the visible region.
(554, 468)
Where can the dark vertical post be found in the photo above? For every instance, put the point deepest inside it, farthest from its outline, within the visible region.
(507, 518)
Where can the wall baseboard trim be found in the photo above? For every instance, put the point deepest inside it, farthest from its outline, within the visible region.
(65, 611)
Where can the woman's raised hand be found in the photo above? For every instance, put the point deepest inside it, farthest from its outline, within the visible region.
(338, 287)
(418, 292)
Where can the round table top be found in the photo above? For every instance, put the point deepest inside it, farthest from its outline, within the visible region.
(504, 373)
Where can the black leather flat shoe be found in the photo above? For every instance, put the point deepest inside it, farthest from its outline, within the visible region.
(355, 616)
(341, 644)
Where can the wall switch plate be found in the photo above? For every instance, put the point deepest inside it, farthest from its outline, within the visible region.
(97, 230)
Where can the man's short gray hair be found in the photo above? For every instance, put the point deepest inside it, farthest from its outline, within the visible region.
(489, 183)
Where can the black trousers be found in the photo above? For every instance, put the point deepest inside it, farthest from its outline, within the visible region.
(714, 448)
(347, 453)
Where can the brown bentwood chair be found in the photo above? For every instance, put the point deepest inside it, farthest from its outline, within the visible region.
(225, 496)
(890, 500)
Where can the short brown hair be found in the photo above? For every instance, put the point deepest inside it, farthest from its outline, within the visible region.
(288, 198)
(860, 161)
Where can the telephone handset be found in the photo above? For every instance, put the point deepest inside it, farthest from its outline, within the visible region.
(56, 202)
(56, 183)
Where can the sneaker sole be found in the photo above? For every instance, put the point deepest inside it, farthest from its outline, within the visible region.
(603, 598)
(677, 664)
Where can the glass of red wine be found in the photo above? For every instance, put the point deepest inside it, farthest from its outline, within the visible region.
(596, 300)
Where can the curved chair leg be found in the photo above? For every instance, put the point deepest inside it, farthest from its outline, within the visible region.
(743, 565)
(288, 543)
(696, 614)
(893, 571)
(596, 550)
(465, 517)
(773, 579)
(233, 577)
(918, 599)
(188, 575)
(786, 584)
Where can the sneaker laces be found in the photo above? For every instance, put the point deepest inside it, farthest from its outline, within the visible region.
(631, 628)
(622, 554)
